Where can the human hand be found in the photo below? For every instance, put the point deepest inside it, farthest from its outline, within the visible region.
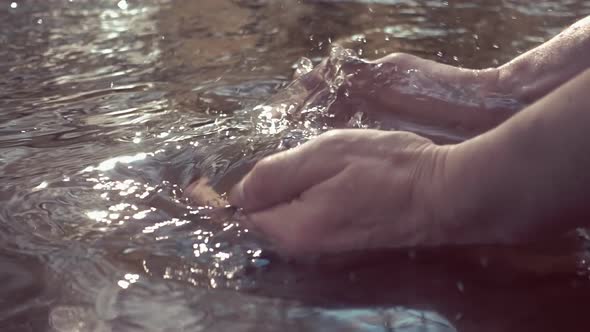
(400, 88)
(346, 190)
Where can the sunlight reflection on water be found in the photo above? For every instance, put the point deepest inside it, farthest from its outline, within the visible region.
(109, 109)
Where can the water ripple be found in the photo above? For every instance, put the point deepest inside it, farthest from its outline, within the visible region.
(110, 108)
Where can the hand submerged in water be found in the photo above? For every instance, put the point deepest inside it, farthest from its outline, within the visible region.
(470, 101)
(345, 190)
(362, 189)
(525, 180)
(405, 87)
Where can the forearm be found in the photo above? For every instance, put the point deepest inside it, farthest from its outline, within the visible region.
(499, 91)
(540, 70)
(528, 177)
(481, 99)
(467, 99)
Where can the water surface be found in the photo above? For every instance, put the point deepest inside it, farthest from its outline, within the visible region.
(108, 109)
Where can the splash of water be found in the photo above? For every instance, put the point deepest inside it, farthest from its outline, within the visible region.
(304, 105)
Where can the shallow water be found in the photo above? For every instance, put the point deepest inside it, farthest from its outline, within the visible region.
(109, 108)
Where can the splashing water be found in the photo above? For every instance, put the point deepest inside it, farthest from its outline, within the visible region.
(305, 103)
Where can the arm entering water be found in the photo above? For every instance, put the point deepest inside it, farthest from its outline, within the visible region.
(475, 99)
(358, 189)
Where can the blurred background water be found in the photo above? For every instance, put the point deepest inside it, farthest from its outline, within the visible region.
(108, 109)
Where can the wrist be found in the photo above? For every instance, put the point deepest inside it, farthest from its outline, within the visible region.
(541, 70)
(485, 201)
(524, 180)
(497, 92)
(520, 79)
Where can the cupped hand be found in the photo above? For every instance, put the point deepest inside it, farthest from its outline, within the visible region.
(346, 190)
(401, 85)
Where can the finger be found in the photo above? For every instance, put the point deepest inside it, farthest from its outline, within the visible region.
(283, 176)
(319, 222)
(202, 193)
(301, 224)
(289, 226)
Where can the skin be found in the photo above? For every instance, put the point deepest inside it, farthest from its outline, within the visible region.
(202, 193)
(521, 179)
(474, 100)
(330, 202)
(531, 171)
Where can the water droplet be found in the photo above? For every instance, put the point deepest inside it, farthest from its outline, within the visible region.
(123, 284)
(123, 5)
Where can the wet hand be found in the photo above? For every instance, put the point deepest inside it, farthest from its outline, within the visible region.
(417, 89)
(346, 190)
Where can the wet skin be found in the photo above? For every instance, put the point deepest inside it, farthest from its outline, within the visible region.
(521, 178)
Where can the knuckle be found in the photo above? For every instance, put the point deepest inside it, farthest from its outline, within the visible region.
(336, 140)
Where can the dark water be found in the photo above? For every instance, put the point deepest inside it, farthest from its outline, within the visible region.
(109, 108)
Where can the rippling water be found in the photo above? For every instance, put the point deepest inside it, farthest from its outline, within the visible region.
(108, 109)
